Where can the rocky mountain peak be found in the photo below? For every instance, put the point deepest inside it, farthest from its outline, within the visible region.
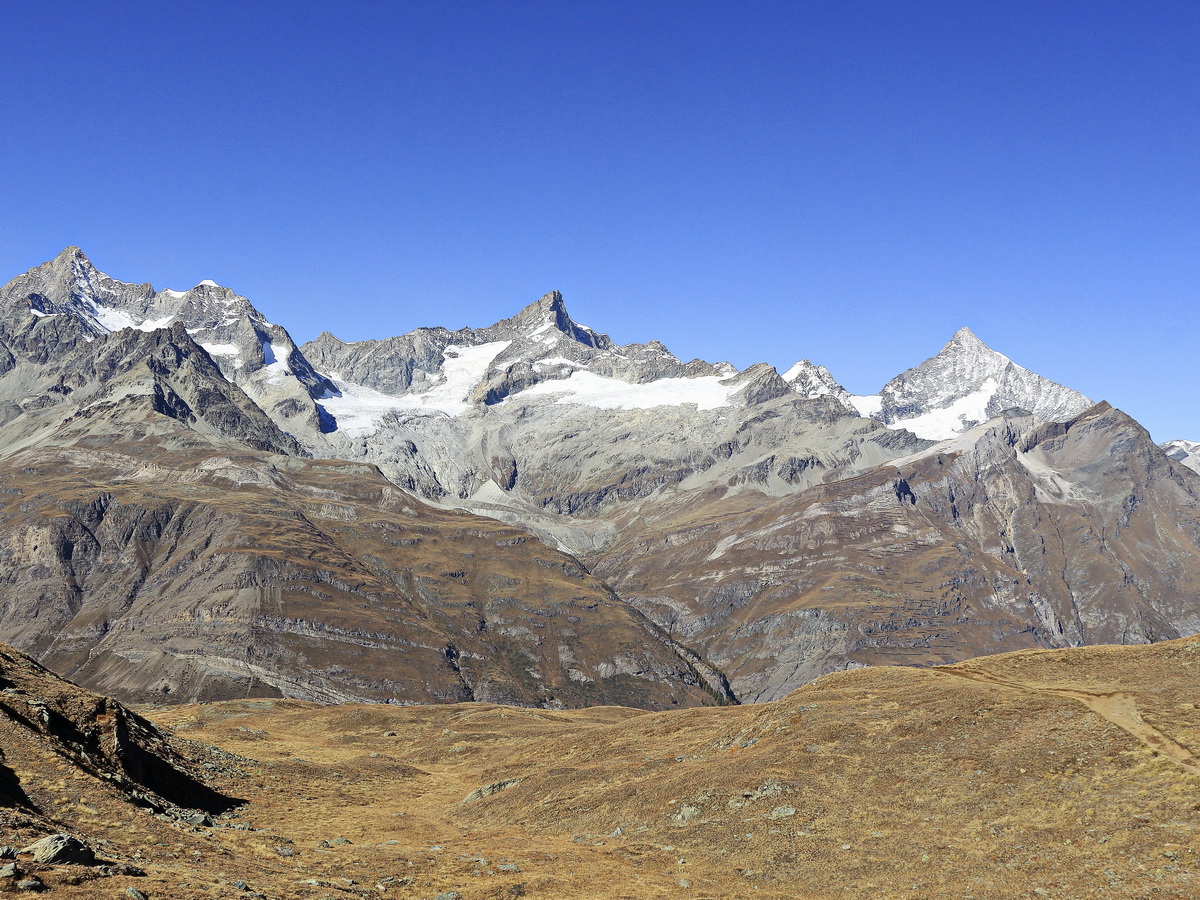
(965, 384)
(965, 338)
(811, 380)
(542, 319)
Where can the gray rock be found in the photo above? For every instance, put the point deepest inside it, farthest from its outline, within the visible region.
(487, 790)
(61, 849)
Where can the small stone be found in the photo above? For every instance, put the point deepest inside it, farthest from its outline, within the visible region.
(685, 814)
(135, 894)
(389, 734)
(240, 885)
(340, 840)
(509, 867)
(285, 851)
(9, 870)
(845, 846)
(8, 852)
(447, 895)
(32, 883)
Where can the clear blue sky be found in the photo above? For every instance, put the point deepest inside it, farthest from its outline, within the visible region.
(849, 182)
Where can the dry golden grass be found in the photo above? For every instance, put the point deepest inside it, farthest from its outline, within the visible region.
(1057, 774)
(1061, 774)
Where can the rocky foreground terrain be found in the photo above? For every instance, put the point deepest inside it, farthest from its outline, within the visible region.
(196, 508)
(1064, 773)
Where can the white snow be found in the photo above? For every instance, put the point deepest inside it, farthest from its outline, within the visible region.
(707, 391)
(275, 357)
(155, 324)
(949, 421)
(221, 349)
(555, 361)
(359, 409)
(208, 282)
(819, 389)
(42, 315)
(175, 294)
(112, 319)
(225, 350)
(791, 374)
(463, 367)
(866, 406)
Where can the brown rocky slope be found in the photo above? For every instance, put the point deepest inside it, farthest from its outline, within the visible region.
(1018, 534)
(174, 573)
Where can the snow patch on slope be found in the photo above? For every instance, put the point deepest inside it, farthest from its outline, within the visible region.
(590, 389)
(867, 406)
(942, 424)
(359, 409)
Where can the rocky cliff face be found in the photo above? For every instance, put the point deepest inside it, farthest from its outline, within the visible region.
(53, 734)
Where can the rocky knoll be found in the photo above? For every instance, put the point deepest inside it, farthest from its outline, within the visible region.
(73, 760)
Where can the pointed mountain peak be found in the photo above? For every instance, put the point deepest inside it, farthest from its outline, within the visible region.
(68, 254)
(548, 308)
(547, 314)
(75, 260)
(966, 339)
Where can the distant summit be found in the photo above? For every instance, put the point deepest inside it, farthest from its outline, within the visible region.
(964, 385)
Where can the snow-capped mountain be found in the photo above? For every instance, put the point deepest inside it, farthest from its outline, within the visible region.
(257, 355)
(810, 380)
(777, 525)
(540, 351)
(964, 385)
(1186, 452)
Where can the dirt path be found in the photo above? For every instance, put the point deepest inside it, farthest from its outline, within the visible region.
(1118, 708)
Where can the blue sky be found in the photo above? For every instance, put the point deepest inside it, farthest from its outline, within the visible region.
(849, 182)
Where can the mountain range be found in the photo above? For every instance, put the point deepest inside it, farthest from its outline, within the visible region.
(195, 507)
